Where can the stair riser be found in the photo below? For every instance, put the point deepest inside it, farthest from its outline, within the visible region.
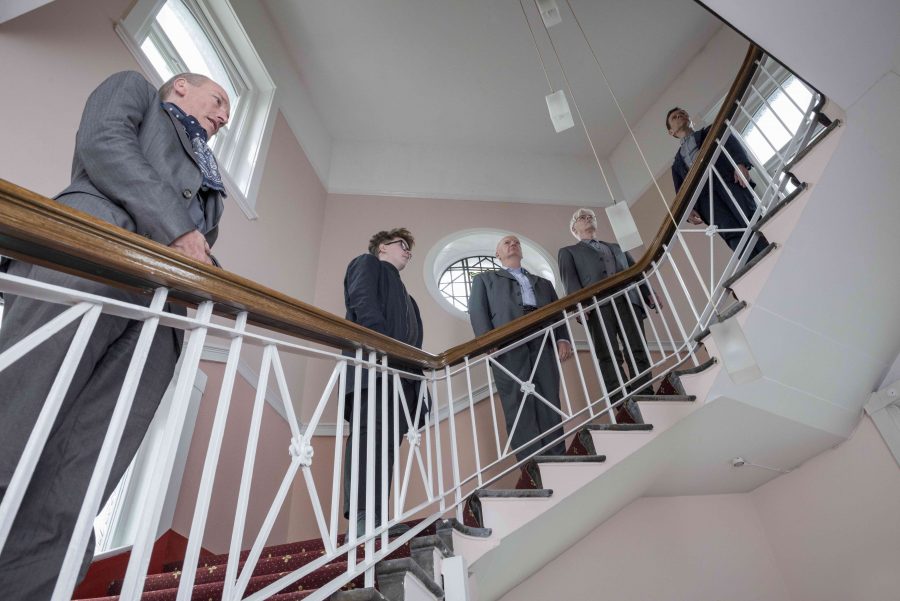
(619, 445)
(811, 167)
(565, 478)
(779, 228)
(750, 284)
(699, 384)
(506, 515)
(665, 414)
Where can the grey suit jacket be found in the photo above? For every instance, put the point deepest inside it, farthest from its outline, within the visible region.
(134, 165)
(496, 299)
(580, 266)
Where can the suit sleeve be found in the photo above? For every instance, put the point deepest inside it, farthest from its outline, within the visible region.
(677, 178)
(737, 151)
(645, 289)
(560, 332)
(479, 307)
(107, 145)
(362, 293)
(567, 270)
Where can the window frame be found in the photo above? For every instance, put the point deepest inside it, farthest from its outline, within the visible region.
(249, 131)
(495, 264)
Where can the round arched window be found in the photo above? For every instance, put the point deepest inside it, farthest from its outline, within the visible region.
(455, 284)
(452, 263)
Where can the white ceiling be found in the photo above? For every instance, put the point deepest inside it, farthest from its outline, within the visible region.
(465, 74)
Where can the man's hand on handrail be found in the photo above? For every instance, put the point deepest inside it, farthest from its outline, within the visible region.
(194, 245)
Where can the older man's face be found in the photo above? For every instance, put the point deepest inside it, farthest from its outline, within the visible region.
(509, 249)
(585, 226)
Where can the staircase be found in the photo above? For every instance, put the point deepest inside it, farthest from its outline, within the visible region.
(607, 466)
(417, 561)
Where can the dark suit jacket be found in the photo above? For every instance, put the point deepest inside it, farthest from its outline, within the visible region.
(496, 299)
(375, 297)
(726, 215)
(580, 266)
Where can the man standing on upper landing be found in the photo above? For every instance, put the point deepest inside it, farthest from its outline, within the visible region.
(723, 213)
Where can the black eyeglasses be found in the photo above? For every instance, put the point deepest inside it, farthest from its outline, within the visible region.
(401, 242)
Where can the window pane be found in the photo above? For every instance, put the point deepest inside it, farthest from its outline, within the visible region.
(193, 46)
(455, 283)
(156, 58)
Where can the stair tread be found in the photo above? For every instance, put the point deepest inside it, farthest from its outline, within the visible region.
(620, 427)
(665, 397)
(786, 201)
(513, 493)
(728, 313)
(836, 123)
(570, 459)
(750, 265)
(688, 371)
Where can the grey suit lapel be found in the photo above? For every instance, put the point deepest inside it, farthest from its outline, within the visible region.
(182, 135)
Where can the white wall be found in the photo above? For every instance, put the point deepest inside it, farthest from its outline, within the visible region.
(841, 47)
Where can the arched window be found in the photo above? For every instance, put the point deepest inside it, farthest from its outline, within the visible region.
(456, 281)
(454, 260)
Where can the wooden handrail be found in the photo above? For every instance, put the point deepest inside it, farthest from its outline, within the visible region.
(36, 229)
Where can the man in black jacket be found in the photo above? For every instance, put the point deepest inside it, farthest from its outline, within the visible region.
(720, 210)
(376, 298)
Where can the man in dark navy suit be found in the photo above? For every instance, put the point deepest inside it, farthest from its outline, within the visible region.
(719, 210)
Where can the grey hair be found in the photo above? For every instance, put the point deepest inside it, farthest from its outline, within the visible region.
(576, 215)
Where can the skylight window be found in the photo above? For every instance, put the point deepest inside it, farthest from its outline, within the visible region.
(778, 119)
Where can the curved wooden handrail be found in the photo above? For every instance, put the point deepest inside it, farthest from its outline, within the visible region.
(39, 230)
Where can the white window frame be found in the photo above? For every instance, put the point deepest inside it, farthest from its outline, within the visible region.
(242, 146)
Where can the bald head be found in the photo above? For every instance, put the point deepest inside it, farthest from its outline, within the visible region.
(199, 97)
(509, 251)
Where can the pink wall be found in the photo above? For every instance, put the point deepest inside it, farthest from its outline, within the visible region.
(828, 531)
(834, 523)
(691, 548)
(52, 98)
(272, 461)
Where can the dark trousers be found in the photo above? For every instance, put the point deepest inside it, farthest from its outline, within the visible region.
(732, 239)
(631, 333)
(535, 420)
(37, 543)
(410, 391)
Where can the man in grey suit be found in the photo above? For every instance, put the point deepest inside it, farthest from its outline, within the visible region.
(498, 297)
(588, 262)
(141, 162)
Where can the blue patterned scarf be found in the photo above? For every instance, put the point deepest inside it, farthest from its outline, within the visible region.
(212, 179)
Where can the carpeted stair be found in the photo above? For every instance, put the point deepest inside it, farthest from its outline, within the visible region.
(275, 562)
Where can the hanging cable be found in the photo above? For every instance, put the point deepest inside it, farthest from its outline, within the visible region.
(621, 113)
(536, 47)
(575, 103)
